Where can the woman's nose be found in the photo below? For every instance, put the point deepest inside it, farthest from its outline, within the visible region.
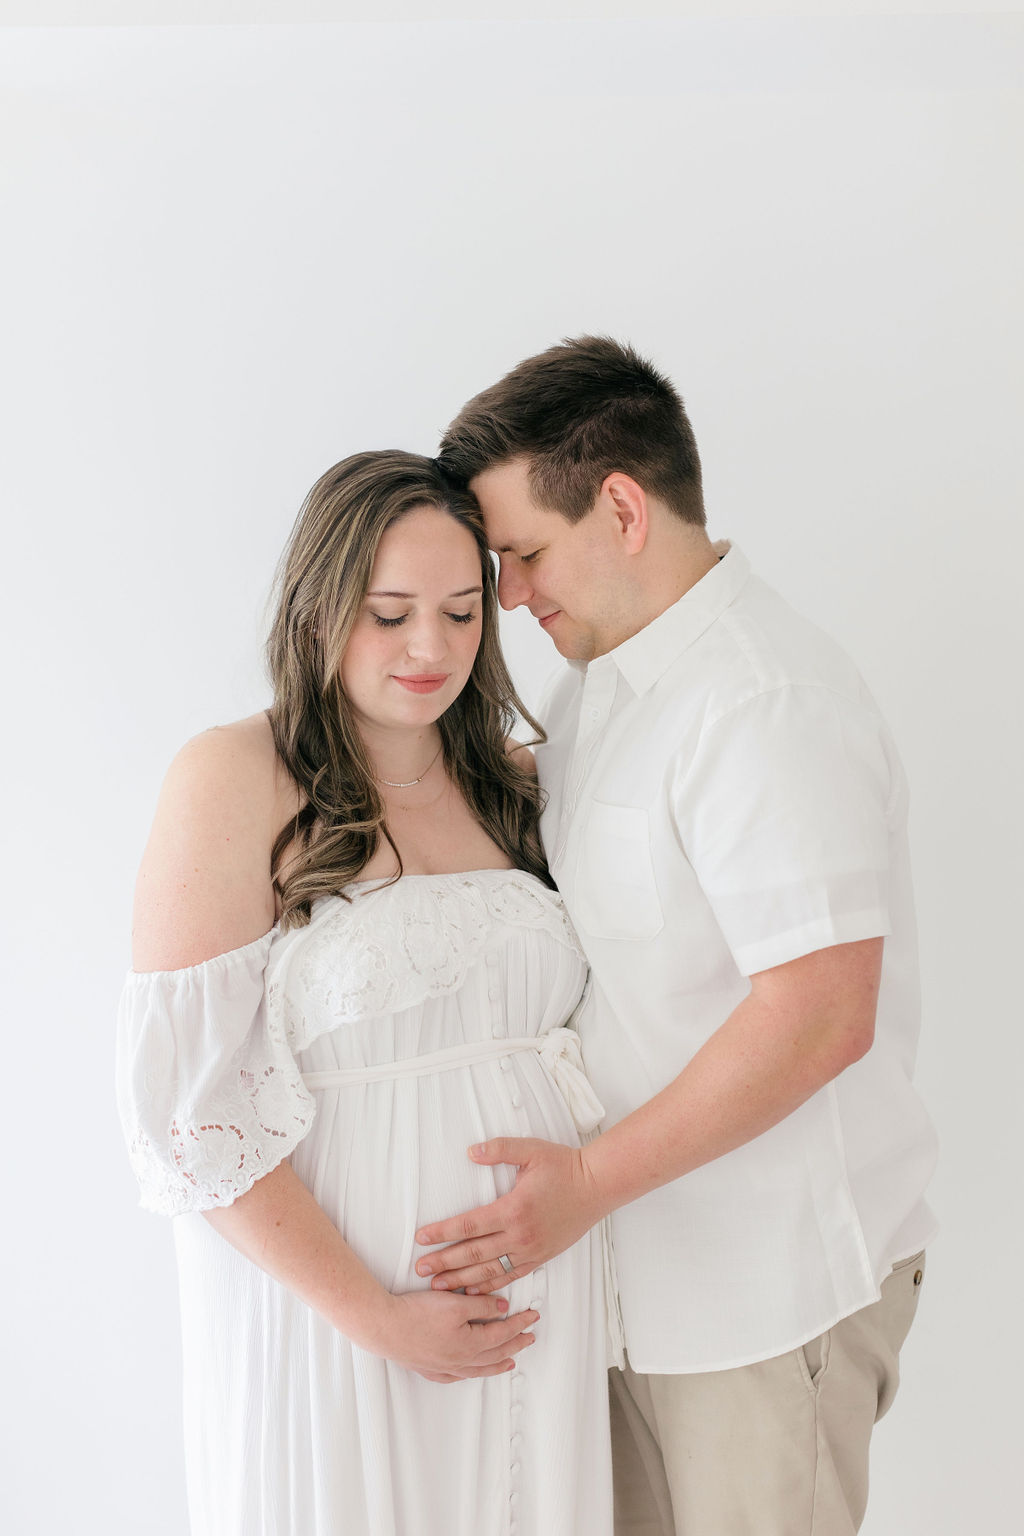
(427, 641)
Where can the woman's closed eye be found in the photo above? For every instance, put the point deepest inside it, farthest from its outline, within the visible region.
(386, 623)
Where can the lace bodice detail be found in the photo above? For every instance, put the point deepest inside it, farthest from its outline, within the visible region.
(394, 946)
(210, 1092)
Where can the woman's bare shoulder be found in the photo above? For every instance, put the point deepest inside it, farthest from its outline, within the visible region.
(204, 886)
(245, 743)
(239, 761)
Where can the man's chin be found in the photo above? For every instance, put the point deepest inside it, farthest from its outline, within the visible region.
(572, 646)
(571, 652)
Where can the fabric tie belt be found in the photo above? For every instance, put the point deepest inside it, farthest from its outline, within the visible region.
(559, 1050)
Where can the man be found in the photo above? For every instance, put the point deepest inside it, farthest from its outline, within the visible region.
(726, 821)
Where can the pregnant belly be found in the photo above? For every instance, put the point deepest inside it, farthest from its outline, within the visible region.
(384, 1157)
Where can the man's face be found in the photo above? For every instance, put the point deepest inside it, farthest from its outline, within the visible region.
(567, 574)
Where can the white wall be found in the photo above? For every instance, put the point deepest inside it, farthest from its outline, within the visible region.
(234, 255)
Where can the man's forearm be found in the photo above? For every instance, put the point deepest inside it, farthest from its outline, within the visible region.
(801, 1025)
(758, 1067)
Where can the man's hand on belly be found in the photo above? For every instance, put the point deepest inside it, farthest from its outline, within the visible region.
(554, 1202)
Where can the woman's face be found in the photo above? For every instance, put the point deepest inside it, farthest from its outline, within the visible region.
(416, 637)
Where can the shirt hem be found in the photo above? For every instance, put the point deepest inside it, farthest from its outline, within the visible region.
(805, 1334)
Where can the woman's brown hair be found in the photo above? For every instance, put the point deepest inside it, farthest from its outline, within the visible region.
(322, 581)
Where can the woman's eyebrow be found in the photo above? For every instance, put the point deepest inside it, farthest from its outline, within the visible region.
(466, 592)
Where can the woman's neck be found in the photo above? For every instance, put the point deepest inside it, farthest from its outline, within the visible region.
(399, 757)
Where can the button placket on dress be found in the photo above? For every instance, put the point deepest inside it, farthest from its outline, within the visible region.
(499, 1028)
(496, 994)
(538, 1280)
(517, 1382)
(515, 1440)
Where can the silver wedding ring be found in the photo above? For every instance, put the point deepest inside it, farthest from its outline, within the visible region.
(506, 1263)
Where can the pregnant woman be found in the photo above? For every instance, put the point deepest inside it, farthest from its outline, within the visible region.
(350, 965)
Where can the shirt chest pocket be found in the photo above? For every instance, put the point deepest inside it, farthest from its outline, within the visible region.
(616, 896)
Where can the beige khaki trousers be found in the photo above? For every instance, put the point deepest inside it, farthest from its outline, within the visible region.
(779, 1448)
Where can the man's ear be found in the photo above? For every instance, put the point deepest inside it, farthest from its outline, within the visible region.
(628, 502)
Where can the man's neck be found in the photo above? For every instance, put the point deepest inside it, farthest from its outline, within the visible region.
(674, 561)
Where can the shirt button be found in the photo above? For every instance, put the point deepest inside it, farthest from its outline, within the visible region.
(506, 1063)
(517, 1101)
(494, 993)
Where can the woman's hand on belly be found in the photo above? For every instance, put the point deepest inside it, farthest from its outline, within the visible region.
(280, 1227)
(449, 1338)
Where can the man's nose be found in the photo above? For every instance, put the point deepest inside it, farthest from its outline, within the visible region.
(512, 589)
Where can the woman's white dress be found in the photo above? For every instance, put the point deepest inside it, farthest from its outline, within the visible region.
(302, 1045)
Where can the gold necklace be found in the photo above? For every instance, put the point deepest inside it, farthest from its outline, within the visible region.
(395, 784)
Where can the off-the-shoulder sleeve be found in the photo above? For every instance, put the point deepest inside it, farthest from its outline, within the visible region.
(208, 1090)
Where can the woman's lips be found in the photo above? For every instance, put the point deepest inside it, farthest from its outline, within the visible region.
(422, 684)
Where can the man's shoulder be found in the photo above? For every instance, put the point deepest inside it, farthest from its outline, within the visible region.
(760, 644)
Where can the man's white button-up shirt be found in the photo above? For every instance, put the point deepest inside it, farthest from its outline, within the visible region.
(723, 796)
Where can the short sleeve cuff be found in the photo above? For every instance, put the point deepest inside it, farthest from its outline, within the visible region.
(822, 933)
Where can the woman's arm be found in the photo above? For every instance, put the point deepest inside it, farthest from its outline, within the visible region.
(280, 1227)
(204, 888)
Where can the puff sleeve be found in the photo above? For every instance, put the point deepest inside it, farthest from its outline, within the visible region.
(208, 1090)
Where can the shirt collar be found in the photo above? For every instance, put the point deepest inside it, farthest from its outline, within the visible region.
(645, 656)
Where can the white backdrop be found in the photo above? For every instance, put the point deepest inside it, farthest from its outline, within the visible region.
(235, 254)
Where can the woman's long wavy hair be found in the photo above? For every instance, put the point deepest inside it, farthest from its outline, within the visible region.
(322, 580)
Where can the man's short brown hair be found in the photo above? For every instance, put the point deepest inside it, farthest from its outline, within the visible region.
(576, 413)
